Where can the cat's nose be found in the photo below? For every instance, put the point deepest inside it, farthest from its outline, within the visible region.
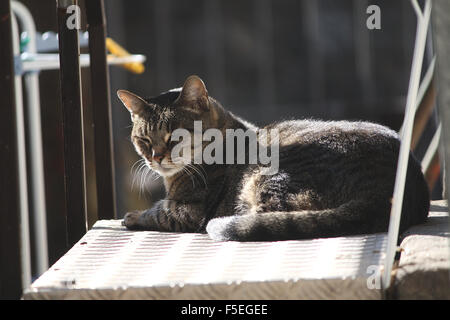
(158, 157)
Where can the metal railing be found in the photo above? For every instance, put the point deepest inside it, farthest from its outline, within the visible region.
(15, 237)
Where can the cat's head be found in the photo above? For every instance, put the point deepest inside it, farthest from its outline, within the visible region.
(155, 119)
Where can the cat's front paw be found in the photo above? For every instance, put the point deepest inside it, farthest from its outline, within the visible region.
(131, 220)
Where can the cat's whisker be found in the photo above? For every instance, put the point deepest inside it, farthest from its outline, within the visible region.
(192, 170)
(141, 167)
(189, 174)
(157, 176)
(135, 171)
(140, 181)
(203, 169)
(205, 174)
(148, 175)
(139, 176)
(153, 176)
(200, 173)
(143, 181)
(137, 162)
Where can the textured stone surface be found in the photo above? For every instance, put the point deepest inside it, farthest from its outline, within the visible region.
(424, 267)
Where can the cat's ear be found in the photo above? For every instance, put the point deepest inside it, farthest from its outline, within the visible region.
(194, 93)
(135, 104)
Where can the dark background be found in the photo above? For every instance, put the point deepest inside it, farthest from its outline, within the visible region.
(264, 60)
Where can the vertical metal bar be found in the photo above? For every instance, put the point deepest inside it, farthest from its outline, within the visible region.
(25, 253)
(399, 187)
(10, 273)
(441, 38)
(115, 13)
(31, 81)
(74, 167)
(101, 103)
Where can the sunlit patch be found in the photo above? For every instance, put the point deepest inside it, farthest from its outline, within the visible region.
(167, 137)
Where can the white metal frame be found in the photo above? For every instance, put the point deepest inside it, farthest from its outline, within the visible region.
(32, 62)
(423, 19)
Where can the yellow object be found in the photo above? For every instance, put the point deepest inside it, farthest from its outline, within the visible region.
(118, 51)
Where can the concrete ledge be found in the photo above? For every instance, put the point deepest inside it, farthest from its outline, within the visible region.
(424, 268)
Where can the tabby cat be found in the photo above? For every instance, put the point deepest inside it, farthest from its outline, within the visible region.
(335, 178)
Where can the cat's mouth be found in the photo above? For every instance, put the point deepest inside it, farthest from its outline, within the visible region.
(165, 170)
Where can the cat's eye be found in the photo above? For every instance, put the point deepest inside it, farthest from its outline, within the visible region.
(145, 140)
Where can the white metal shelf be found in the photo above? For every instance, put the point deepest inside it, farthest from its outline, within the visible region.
(49, 61)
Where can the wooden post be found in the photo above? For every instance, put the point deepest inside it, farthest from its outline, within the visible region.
(10, 272)
(74, 167)
(101, 103)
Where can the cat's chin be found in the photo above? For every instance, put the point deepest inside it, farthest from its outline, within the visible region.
(166, 172)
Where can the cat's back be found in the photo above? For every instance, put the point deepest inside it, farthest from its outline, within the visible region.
(333, 133)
